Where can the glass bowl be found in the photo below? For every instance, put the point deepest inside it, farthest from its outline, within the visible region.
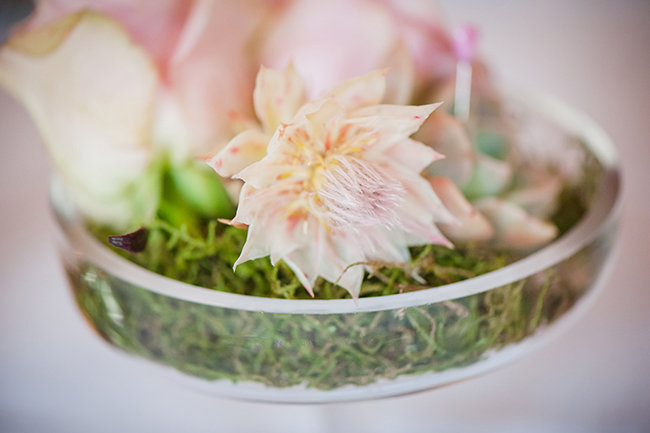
(307, 351)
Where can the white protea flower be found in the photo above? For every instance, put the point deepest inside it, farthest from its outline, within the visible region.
(336, 184)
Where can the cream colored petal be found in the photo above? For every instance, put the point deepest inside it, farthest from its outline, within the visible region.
(306, 261)
(299, 271)
(384, 243)
(514, 227)
(340, 264)
(472, 225)
(256, 245)
(243, 150)
(362, 91)
(277, 96)
(90, 91)
(264, 173)
(321, 118)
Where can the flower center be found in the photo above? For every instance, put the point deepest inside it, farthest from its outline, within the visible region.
(356, 193)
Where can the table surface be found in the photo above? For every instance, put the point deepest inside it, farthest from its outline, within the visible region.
(57, 376)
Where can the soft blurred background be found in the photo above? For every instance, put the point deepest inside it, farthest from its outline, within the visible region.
(57, 376)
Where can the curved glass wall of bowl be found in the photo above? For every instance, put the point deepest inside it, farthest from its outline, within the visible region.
(308, 351)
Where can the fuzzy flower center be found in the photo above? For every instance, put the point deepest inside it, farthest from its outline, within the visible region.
(356, 193)
(340, 187)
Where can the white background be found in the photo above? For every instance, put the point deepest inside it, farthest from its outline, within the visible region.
(57, 376)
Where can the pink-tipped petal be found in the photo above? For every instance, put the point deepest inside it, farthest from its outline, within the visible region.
(448, 136)
(243, 150)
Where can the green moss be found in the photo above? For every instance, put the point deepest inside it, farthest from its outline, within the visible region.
(320, 351)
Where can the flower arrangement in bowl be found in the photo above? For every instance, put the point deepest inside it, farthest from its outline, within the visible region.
(307, 201)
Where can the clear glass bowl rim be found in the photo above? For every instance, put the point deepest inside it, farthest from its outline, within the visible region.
(604, 212)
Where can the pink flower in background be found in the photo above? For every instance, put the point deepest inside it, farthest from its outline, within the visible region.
(338, 39)
(338, 183)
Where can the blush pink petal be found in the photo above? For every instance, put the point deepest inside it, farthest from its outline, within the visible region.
(331, 41)
(213, 73)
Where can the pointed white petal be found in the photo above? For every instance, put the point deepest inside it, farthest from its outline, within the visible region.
(393, 123)
(277, 96)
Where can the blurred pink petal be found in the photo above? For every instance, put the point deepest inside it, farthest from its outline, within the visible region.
(330, 41)
(448, 136)
(471, 224)
(154, 24)
(514, 227)
(421, 24)
(213, 72)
